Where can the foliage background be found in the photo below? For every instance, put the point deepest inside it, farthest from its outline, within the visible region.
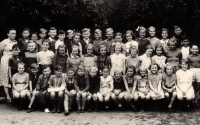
(121, 15)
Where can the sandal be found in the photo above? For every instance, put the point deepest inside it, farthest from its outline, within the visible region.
(82, 110)
(78, 111)
(9, 101)
(170, 109)
(134, 109)
(66, 113)
(28, 110)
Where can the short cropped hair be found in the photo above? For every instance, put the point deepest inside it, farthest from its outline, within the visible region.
(58, 67)
(61, 32)
(34, 66)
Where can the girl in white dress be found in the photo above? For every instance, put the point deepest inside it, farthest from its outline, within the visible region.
(117, 59)
(184, 88)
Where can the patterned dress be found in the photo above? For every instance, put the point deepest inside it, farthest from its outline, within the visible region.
(7, 53)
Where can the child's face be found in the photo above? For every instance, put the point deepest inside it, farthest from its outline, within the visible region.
(70, 74)
(178, 31)
(169, 70)
(172, 46)
(80, 72)
(103, 51)
(142, 34)
(12, 34)
(194, 49)
(164, 34)
(46, 71)
(109, 35)
(133, 52)
(142, 72)
(105, 72)
(70, 35)
(118, 74)
(117, 49)
(75, 51)
(16, 52)
(149, 52)
(184, 66)
(159, 51)
(20, 69)
(154, 69)
(93, 73)
(152, 32)
(25, 34)
(130, 72)
(129, 37)
(34, 37)
(34, 71)
(97, 36)
(43, 35)
(89, 50)
(45, 46)
(118, 39)
(31, 47)
(58, 72)
(61, 37)
(76, 39)
(86, 35)
(185, 42)
(61, 51)
(52, 33)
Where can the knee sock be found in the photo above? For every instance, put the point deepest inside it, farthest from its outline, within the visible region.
(83, 103)
(89, 104)
(60, 102)
(79, 103)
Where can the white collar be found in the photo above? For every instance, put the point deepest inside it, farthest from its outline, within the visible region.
(73, 56)
(51, 39)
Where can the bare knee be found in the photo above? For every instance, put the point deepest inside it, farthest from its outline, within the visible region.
(17, 95)
(60, 93)
(180, 98)
(166, 95)
(121, 96)
(84, 95)
(113, 96)
(189, 98)
(52, 94)
(174, 94)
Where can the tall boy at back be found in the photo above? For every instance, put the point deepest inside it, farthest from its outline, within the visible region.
(52, 40)
(22, 43)
(42, 34)
(86, 39)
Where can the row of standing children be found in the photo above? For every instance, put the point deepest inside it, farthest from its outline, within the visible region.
(117, 60)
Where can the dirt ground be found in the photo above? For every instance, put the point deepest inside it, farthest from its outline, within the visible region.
(10, 116)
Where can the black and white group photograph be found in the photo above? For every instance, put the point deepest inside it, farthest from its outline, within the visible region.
(99, 62)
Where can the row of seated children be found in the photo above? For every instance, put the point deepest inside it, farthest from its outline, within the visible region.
(88, 86)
